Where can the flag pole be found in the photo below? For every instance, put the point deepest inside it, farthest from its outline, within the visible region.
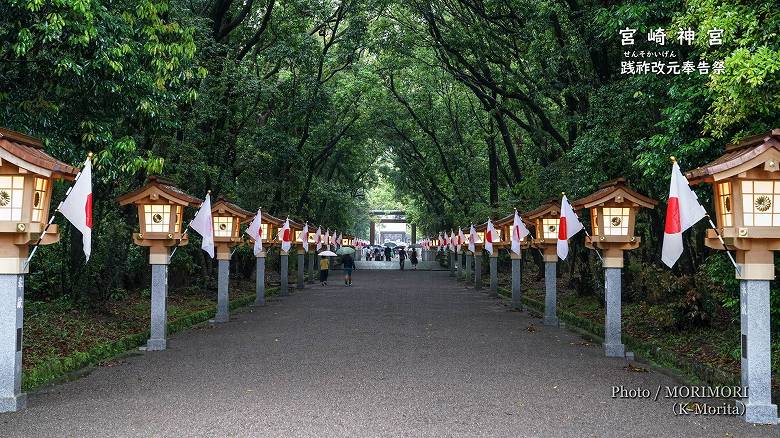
(722, 242)
(51, 220)
(184, 233)
(587, 234)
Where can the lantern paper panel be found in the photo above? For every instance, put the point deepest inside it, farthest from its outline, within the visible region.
(224, 226)
(157, 218)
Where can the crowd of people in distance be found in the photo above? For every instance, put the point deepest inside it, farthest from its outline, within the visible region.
(375, 254)
(388, 254)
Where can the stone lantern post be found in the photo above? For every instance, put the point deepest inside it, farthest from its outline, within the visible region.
(746, 190)
(160, 206)
(469, 256)
(26, 177)
(312, 255)
(301, 259)
(545, 219)
(613, 210)
(504, 226)
(227, 219)
(268, 229)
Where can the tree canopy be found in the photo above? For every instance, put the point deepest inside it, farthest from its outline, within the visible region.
(466, 108)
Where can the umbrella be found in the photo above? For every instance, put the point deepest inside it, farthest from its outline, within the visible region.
(390, 245)
(416, 245)
(345, 250)
(327, 254)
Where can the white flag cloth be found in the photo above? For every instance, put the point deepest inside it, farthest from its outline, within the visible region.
(326, 241)
(318, 238)
(255, 231)
(451, 240)
(77, 206)
(519, 233)
(284, 236)
(490, 234)
(339, 240)
(204, 225)
(682, 212)
(473, 238)
(305, 237)
(568, 226)
(461, 238)
(441, 242)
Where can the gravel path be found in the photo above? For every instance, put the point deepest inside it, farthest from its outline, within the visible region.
(398, 354)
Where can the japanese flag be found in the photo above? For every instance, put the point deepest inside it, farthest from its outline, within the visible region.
(318, 238)
(451, 240)
(340, 240)
(305, 237)
(285, 236)
(490, 234)
(682, 212)
(204, 225)
(77, 206)
(255, 231)
(473, 237)
(519, 233)
(568, 226)
(326, 241)
(441, 242)
(461, 237)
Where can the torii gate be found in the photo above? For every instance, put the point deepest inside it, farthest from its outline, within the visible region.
(389, 217)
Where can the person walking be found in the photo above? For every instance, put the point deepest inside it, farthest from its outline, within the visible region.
(348, 264)
(324, 267)
(401, 257)
(413, 258)
(388, 254)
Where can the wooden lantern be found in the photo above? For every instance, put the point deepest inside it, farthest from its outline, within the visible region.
(271, 226)
(545, 219)
(296, 228)
(160, 206)
(26, 177)
(482, 229)
(227, 218)
(746, 190)
(504, 227)
(613, 210)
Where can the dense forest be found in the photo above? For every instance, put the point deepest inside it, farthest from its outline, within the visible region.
(463, 109)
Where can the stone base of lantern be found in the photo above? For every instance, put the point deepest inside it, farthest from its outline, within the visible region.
(550, 292)
(517, 293)
(11, 318)
(301, 270)
(312, 265)
(284, 288)
(478, 270)
(158, 330)
(223, 292)
(494, 274)
(756, 352)
(613, 343)
(469, 277)
(260, 280)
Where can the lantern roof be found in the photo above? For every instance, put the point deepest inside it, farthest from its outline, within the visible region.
(509, 220)
(267, 218)
(27, 153)
(551, 206)
(157, 185)
(295, 225)
(740, 156)
(614, 189)
(223, 205)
